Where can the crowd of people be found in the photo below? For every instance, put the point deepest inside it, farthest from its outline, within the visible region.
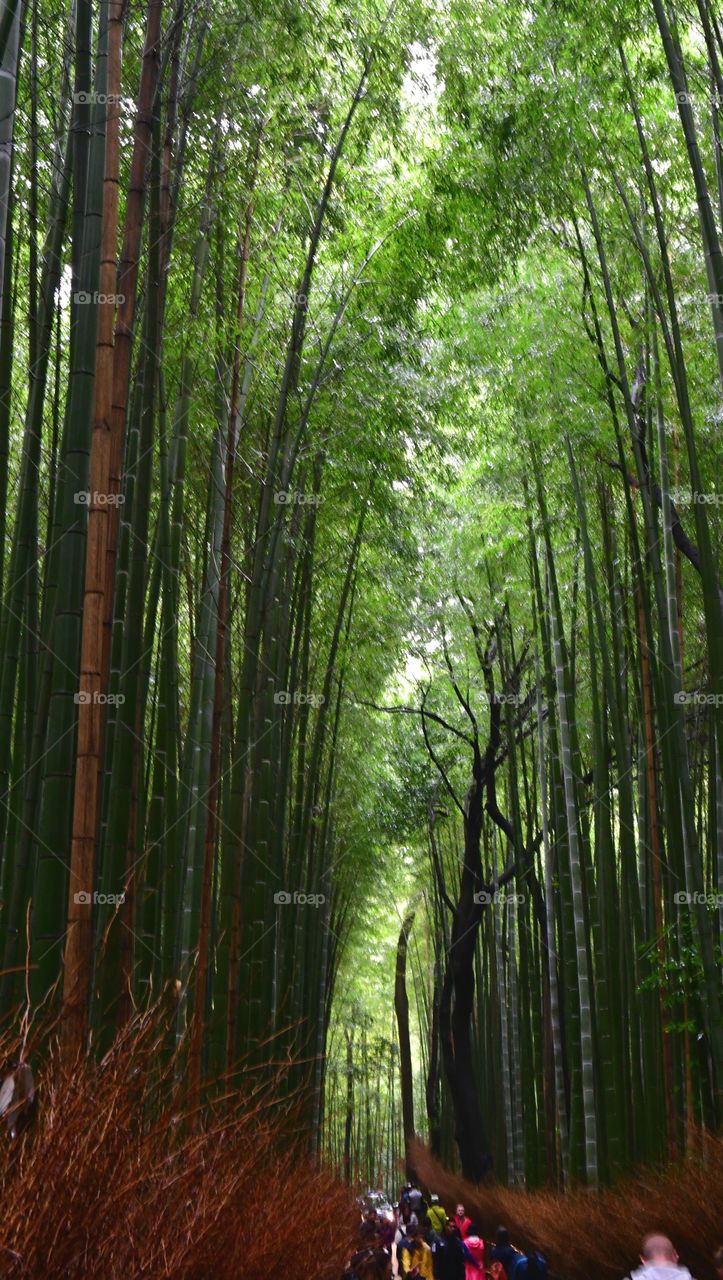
(419, 1239)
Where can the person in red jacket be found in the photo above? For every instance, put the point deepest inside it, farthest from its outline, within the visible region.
(475, 1260)
(463, 1222)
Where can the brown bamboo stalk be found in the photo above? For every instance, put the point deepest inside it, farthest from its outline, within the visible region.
(79, 942)
(128, 287)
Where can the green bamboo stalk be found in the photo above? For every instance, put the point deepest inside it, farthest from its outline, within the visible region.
(560, 1099)
(11, 24)
(66, 558)
(576, 877)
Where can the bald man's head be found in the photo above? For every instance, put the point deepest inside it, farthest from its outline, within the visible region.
(658, 1249)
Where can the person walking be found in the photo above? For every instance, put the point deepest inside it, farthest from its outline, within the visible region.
(369, 1228)
(415, 1256)
(406, 1221)
(368, 1264)
(417, 1201)
(407, 1218)
(474, 1247)
(463, 1222)
(436, 1214)
(660, 1261)
(504, 1252)
(449, 1255)
(388, 1228)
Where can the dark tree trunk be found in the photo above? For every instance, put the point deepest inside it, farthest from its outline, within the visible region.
(349, 1104)
(458, 991)
(401, 1007)
(432, 1086)
(469, 1129)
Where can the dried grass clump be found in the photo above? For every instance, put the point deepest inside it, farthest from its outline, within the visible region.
(112, 1180)
(584, 1234)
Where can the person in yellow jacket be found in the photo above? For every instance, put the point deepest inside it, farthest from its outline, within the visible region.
(416, 1256)
(436, 1214)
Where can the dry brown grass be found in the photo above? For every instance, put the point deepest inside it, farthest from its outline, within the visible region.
(585, 1235)
(112, 1181)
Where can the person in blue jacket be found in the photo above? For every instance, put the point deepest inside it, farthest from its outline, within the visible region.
(505, 1252)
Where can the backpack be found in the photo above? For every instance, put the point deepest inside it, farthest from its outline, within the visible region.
(417, 1201)
(530, 1266)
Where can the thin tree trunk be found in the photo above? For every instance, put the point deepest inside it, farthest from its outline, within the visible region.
(196, 1038)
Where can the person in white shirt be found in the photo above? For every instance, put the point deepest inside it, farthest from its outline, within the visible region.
(660, 1261)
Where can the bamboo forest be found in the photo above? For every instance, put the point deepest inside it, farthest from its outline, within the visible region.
(361, 639)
